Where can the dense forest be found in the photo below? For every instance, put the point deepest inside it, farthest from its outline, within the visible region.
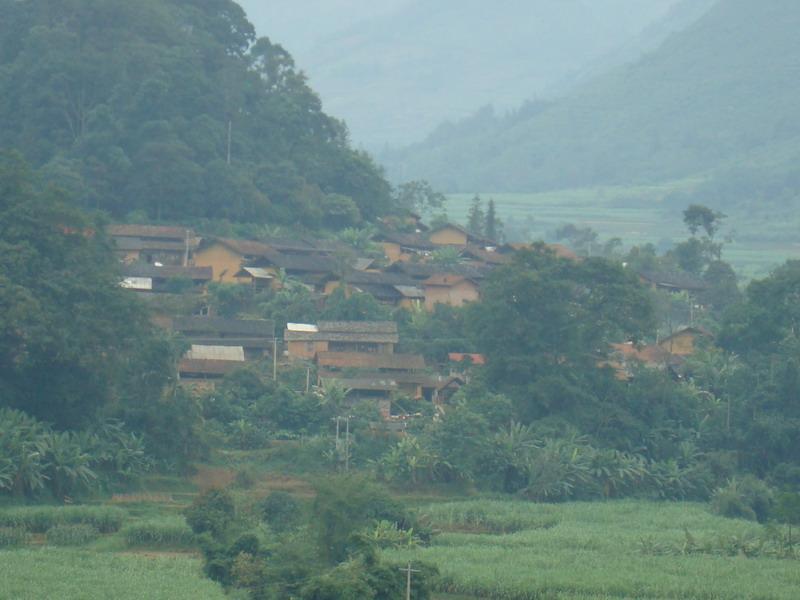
(174, 110)
(719, 95)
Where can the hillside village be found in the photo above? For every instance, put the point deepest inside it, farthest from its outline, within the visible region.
(415, 268)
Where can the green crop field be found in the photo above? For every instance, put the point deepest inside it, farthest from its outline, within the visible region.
(639, 215)
(614, 550)
(35, 574)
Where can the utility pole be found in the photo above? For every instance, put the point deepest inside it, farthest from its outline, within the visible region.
(274, 354)
(347, 446)
(230, 128)
(408, 570)
(346, 441)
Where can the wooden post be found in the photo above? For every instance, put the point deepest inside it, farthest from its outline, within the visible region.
(408, 571)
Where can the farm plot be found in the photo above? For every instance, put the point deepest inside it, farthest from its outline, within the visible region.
(638, 215)
(612, 550)
(29, 574)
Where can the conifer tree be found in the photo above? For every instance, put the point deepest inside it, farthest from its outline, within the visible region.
(494, 226)
(476, 220)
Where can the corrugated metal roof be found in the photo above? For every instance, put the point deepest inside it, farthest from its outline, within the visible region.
(137, 283)
(410, 291)
(304, 327)
(259, 272)
(232, 353)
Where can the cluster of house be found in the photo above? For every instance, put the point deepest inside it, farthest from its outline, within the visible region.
(669, 353)
(156, 256)
(360, 356)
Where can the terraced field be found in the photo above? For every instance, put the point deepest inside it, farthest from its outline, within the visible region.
(640, 215)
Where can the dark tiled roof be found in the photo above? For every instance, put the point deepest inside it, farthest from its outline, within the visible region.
(376, 277)
(150, 231)
(123, 243)
(358, 326)
(673, 279)
(243, 247)
(407, 240)
(370, 360)
(382, 384)
(378, 332)
(379, 291)
(300, 263)
(491, 257)
(218, 325)
(424, 270)
(168, 272)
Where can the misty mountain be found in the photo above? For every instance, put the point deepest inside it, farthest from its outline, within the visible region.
(404, 66)
(723, 93)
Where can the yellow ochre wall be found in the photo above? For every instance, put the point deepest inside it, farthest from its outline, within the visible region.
(449, 237)
(224, 262)
(681, 344)
(456, 295)
(305, 350)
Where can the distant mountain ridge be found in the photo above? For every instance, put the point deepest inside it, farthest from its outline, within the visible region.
(722, 93)
(396, 73)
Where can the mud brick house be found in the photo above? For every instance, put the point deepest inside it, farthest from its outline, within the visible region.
(153, 244)
(203, 366)
(254, 336)
(167, 278)
(304, 341)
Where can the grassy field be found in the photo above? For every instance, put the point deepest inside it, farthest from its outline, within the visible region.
(640, 215)
(614, 550)
(36, 574)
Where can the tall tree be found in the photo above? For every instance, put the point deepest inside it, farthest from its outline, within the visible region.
(494, 226)
(71, 340)
(476, 219)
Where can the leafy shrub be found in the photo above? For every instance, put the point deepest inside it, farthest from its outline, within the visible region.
(71, 535)
(161, 534)
(13, 536)
(38, 519)
(745, 498)
(211, 512)
(280, 510)
(35, 459)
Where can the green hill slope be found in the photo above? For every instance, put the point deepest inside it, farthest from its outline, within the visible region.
(723, 93)
(174, 108)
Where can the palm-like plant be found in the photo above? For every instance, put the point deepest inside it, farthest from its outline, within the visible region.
(67, 465)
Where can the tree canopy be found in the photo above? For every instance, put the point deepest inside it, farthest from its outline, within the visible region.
(176, 109)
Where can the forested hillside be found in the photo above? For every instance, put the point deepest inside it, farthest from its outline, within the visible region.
(723, 93)
(174, 109)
